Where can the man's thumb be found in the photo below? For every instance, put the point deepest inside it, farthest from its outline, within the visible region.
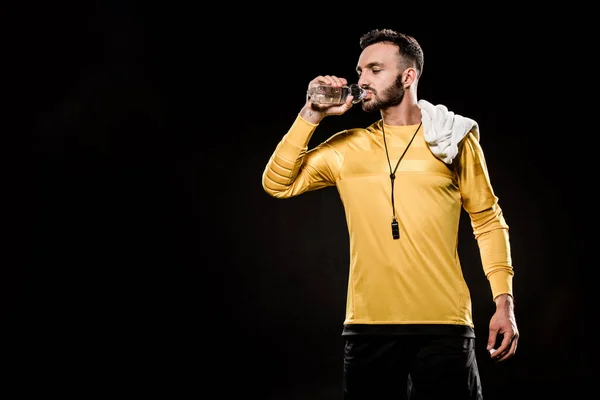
(491, 340)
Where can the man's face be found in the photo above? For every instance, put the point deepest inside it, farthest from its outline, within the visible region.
(379, 74)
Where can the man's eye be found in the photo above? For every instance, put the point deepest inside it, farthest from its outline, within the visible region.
(375, 71)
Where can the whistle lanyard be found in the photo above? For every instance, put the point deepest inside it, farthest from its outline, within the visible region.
(395, 227)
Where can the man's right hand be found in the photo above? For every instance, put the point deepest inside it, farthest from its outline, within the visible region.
(314, 113)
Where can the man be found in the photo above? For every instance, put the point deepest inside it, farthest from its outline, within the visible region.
(403, 181)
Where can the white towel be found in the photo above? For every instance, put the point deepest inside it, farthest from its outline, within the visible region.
(443, 130)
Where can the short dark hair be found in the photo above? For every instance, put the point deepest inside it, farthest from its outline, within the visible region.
(409, 49)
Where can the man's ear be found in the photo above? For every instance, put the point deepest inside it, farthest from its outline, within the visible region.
(409, 76)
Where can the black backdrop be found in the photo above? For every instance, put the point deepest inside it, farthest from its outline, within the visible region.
(142, 255)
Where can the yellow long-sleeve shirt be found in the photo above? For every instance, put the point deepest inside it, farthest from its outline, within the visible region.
(418, 278)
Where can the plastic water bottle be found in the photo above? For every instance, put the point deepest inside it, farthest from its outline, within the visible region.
(329, 95)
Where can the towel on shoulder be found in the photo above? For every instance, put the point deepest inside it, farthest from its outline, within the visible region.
(443, 130)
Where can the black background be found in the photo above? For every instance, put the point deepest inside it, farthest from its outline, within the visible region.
(144, 257)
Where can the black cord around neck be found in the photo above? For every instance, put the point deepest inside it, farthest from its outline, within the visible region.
(395, 227)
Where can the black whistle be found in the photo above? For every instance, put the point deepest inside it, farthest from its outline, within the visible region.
(395, 230)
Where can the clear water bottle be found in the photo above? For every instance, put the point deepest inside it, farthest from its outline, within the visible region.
(329, 95)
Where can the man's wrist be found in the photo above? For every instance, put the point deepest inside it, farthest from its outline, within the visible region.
(311, 116)
(504, 300)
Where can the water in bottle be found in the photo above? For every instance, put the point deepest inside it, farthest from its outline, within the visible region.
(329, 95)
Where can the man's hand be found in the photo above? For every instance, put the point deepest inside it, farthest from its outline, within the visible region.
(314, 113)
(503, 324)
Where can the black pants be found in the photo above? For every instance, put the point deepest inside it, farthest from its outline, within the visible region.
(410, 367)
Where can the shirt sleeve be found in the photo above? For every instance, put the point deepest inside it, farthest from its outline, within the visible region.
(487, 220)
(293, 170)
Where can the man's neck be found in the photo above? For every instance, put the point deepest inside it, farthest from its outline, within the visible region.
(407, 112)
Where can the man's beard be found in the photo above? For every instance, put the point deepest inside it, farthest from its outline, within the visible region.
(391, 96)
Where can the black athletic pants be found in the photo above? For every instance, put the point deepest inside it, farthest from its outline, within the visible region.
(415, 367)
